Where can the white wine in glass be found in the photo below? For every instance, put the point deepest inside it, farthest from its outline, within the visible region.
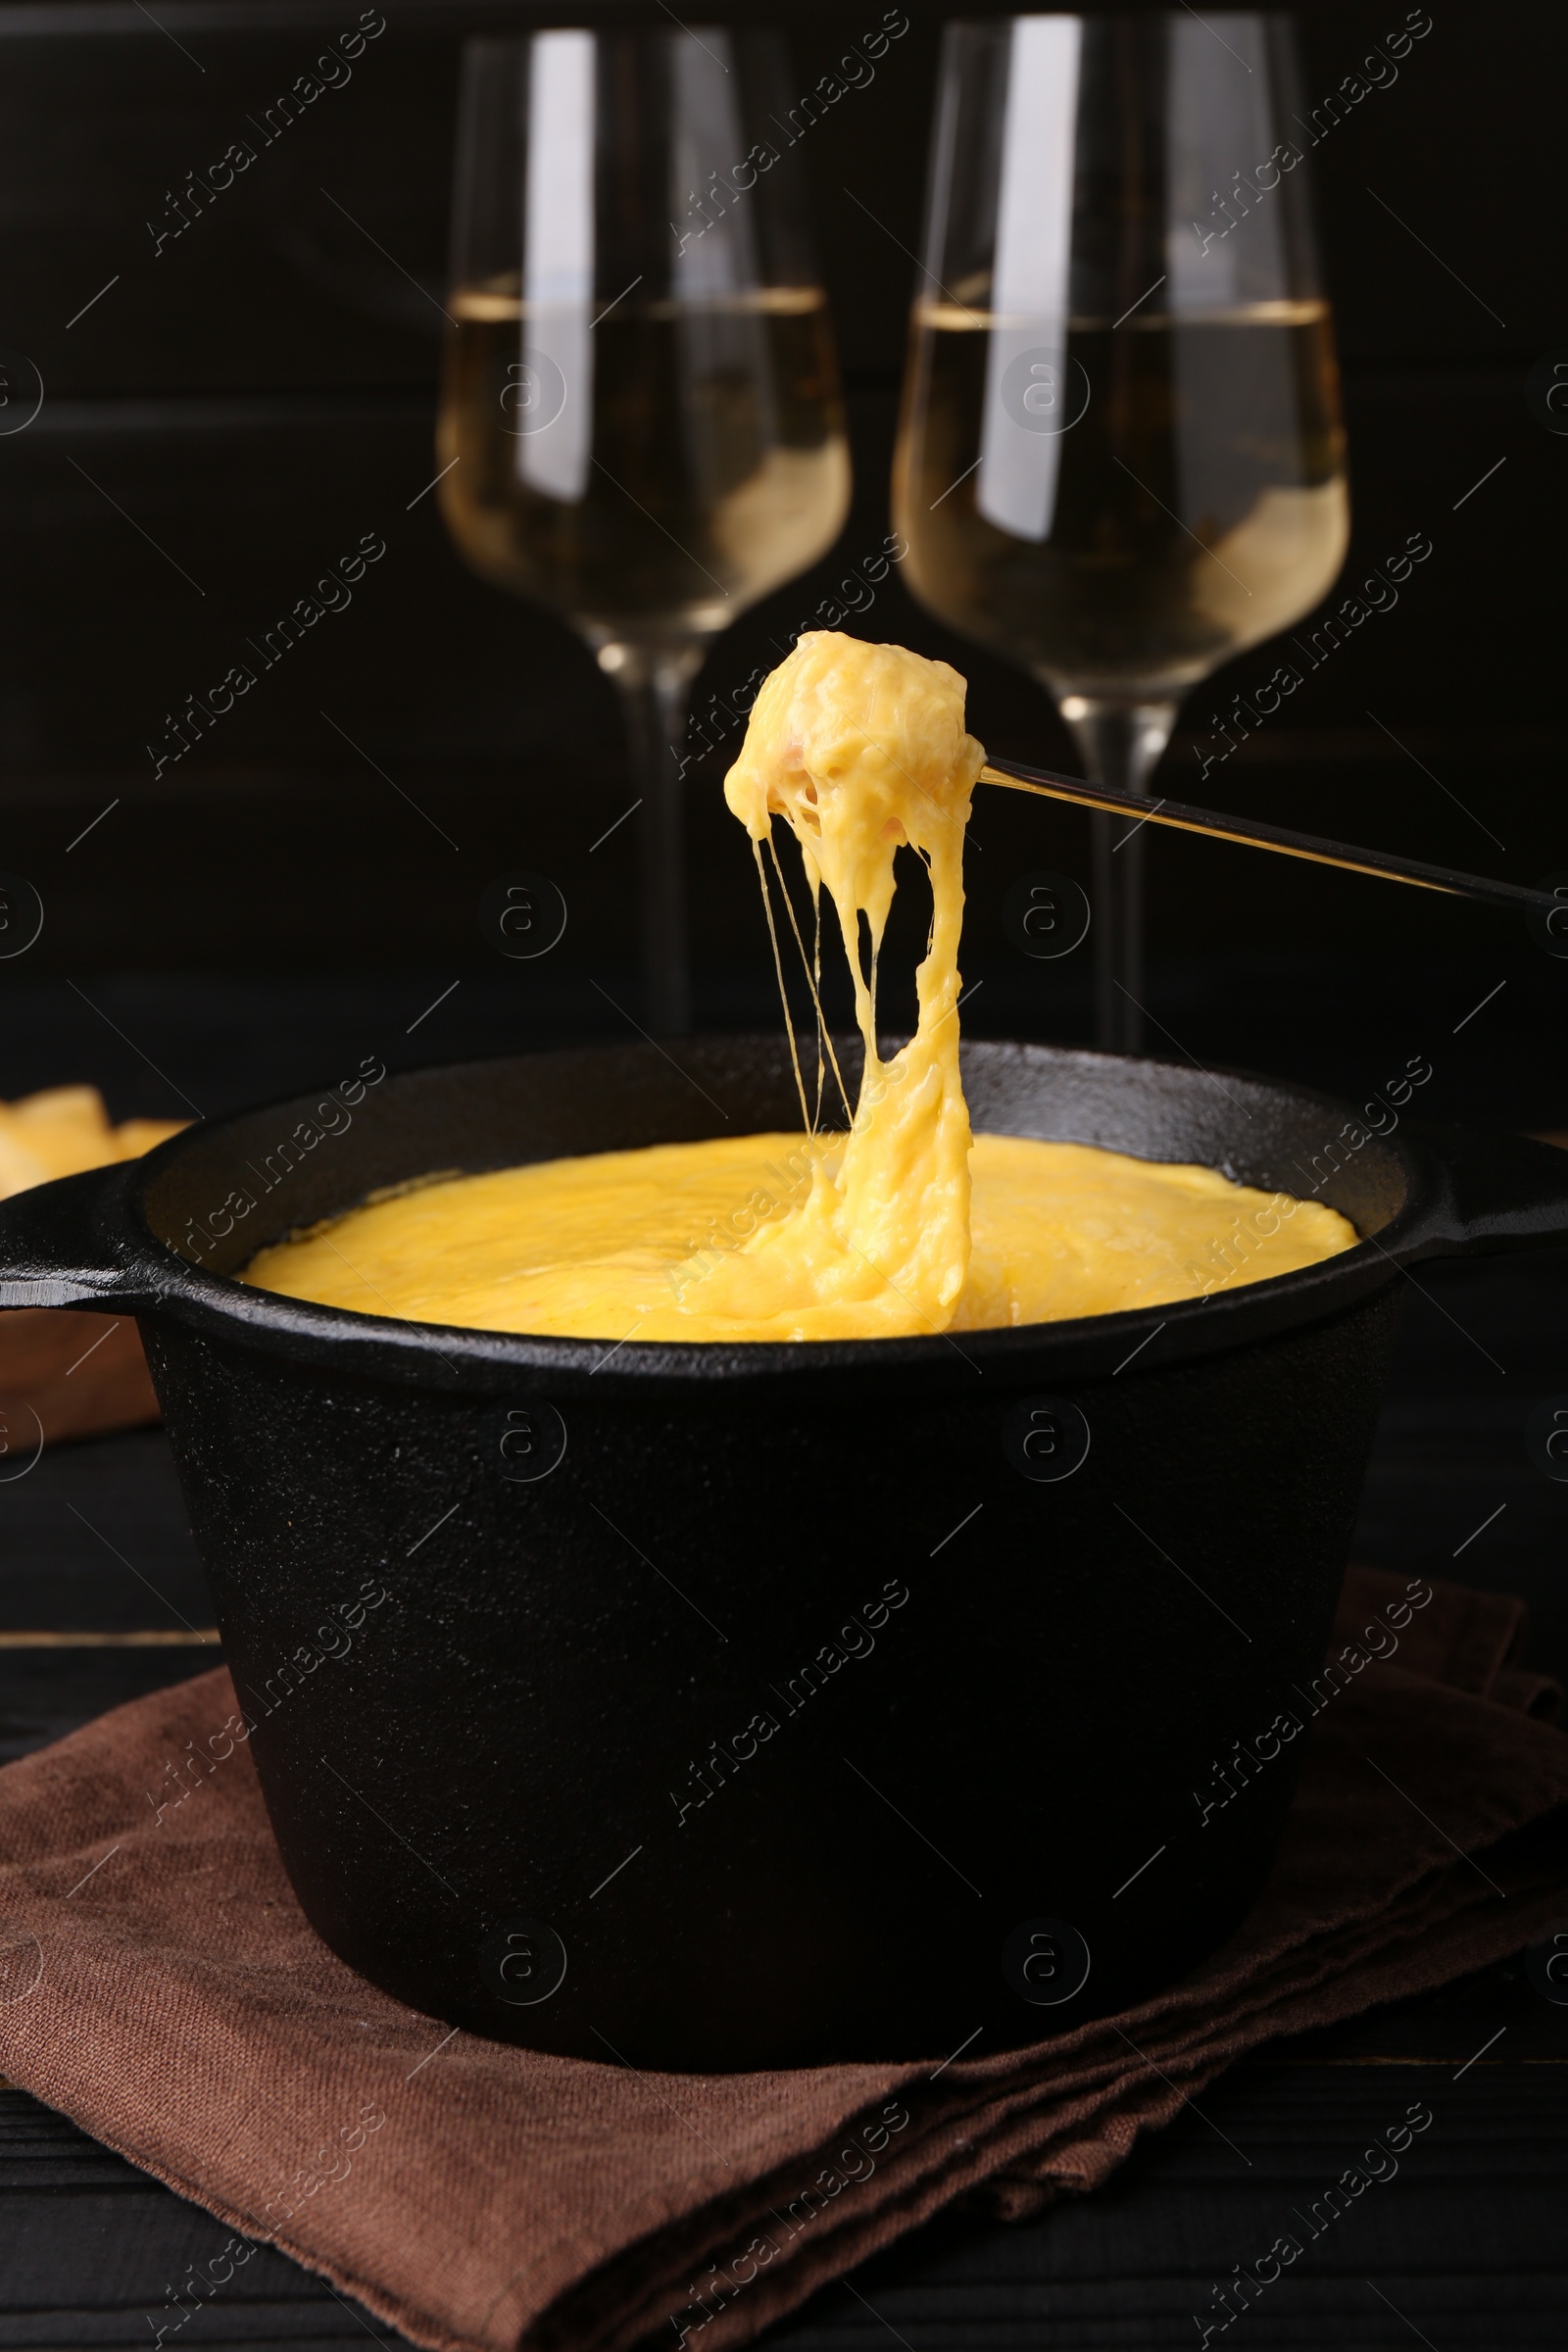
(640, 406)
(1120, 459)
(740, 385)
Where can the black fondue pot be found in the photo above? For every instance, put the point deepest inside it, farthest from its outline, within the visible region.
(729, 1707)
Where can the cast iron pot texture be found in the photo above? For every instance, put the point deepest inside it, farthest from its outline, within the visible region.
(786, 1714)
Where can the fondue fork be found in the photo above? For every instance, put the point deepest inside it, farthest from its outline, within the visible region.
(1245, 829)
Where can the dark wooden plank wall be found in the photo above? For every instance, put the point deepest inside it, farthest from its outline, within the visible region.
(260, 393)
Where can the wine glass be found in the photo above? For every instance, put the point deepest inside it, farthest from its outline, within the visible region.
(1120, 457)
(640, 412)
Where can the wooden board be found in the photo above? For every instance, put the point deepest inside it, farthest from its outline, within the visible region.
(69, 1376)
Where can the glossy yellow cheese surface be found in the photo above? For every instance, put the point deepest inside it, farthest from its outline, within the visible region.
(902, 1224)
(649, 1243)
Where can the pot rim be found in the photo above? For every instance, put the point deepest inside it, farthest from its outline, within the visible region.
(147, 1276)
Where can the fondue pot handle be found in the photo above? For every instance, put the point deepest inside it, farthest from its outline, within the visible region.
(66, 1243)
(1486, 1192)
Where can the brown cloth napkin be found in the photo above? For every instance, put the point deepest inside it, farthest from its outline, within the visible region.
(159, 1984)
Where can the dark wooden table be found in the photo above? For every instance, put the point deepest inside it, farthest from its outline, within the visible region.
(1465, 2248)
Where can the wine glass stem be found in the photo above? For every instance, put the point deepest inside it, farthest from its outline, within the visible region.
(651, 687)
(1120, 744)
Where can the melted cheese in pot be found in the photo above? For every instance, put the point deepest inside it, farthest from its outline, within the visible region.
(906, 1224)
(657, 1243)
